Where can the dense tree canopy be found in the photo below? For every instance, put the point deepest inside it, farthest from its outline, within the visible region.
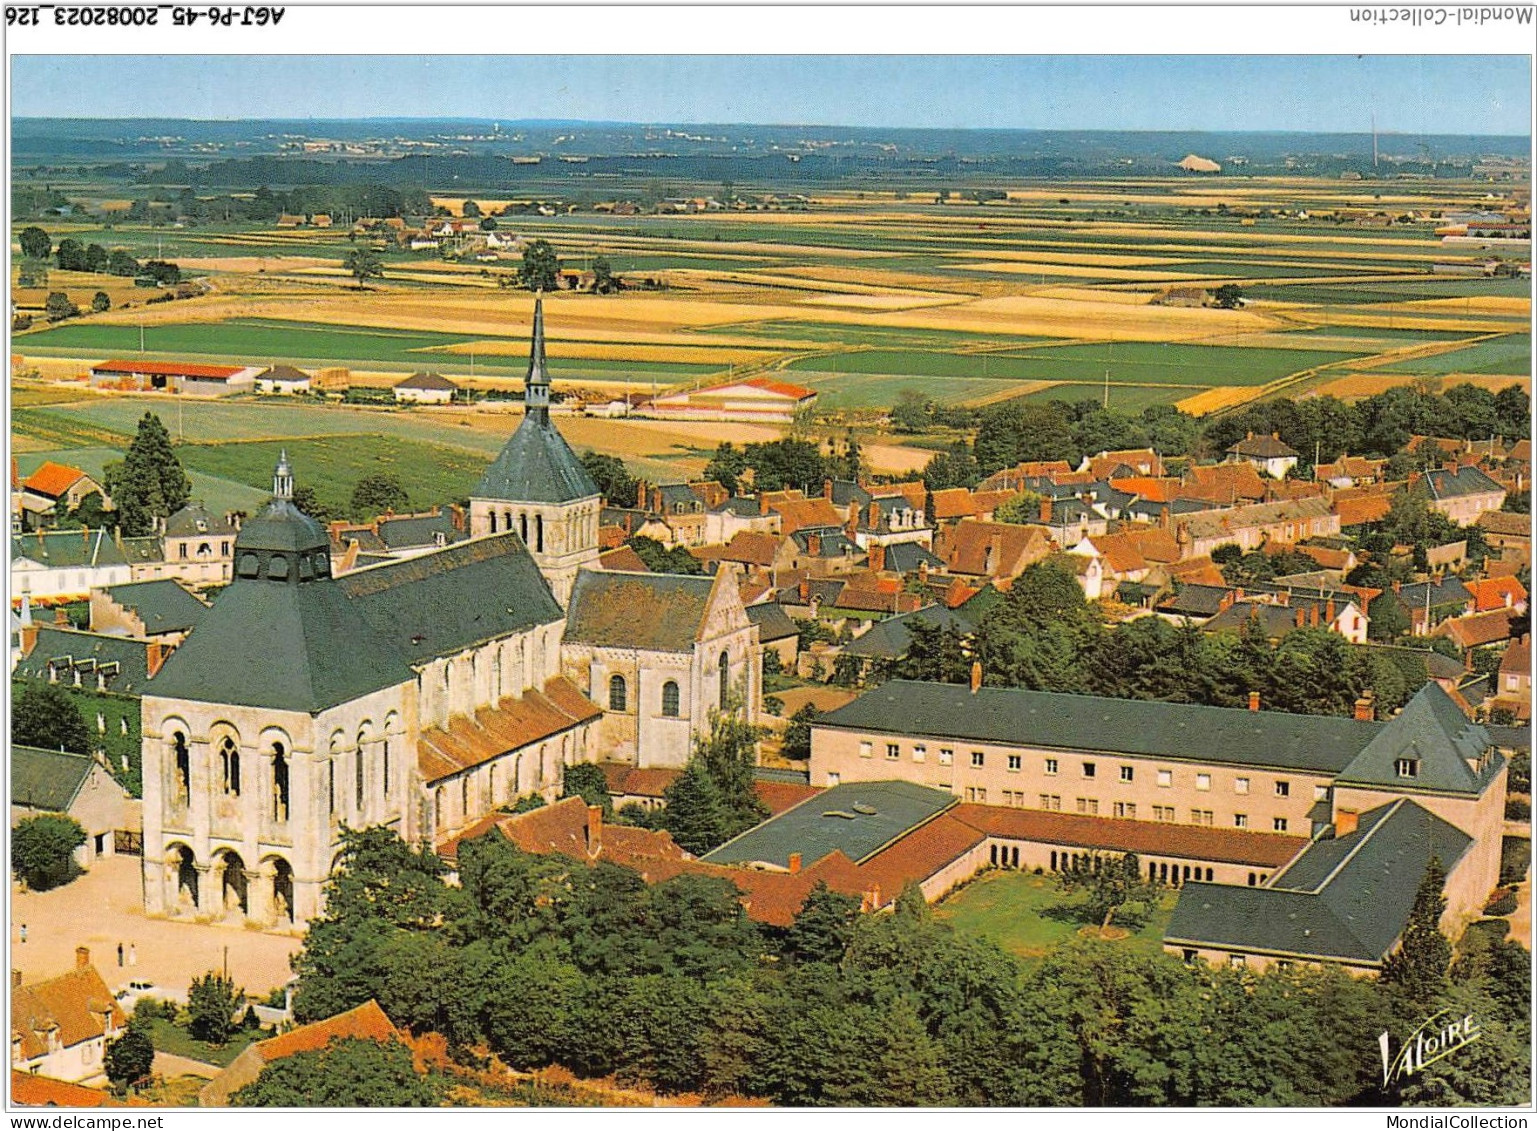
(42, 850)
(44, 715)
(540, 270)
(349, 1072)
(149, 484)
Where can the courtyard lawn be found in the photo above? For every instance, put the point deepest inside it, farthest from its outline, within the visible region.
(171, 1038)
(1014, 910)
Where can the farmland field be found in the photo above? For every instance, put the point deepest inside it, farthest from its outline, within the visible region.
(1511, 354)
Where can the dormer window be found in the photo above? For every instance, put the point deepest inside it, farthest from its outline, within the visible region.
(1407, 767)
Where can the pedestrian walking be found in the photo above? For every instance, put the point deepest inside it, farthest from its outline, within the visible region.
(119, 956)
(23, 932)
(133, 955)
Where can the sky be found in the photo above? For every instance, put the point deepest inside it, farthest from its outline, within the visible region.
(1334, 93)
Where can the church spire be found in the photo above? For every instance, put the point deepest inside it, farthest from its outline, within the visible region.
(536, 386)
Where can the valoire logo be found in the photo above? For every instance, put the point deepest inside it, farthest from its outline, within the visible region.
(1434, 1039)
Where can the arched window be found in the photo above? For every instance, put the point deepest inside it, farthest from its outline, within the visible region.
(539, 531)
(724, 664)
(357, 777)
(229, 765)
(279, 783)
(670, 699)
(331, 786)
(523, 527)
(385, 765)
(493, 522)
(618, 696)
(183, 768)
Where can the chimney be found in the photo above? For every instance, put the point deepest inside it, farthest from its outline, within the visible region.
(814, 545)
(457, 514)
(1045, 512)
(85, 533)
(1398, 586)
(60, 617)
(1364, 712)
(827, 490)
(117, 537)
(1345, 822)
(976, 676)
(154, 656)
(873, 516)
(29, 638)
(594, 829)
(1163, 518)
(805, 591)
(1315, 614)
(877, 557)
(1302, 617)
(763, 502)
(873, 898)
(795, 862)
(82, 957)
(1329, 610)
(1451, 466)
(640, 495)
(923, 573)
(1254, 700)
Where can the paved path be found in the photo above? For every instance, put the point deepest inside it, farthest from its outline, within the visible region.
(103, 908)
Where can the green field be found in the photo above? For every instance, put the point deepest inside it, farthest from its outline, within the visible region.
(1014, 910)
(880, 390)
(217, 492)
(257, 341)
(1138, 362)
(1122, 398)
(1509, 354)
(332, 465)
(1331, 294)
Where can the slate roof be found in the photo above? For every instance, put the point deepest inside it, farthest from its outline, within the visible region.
(1213, 524)
(285, 374)
(92, 649)
(184, 523)
(67, 549)
(654, 612)
(443, 602)
(1433, 731)
(413, 530)
(906, 557)
(163, 606)
(1262, 447)
(1499, 522)
(858, 819)
(284, 647)
(1447, 591)
(772, 621)
(1178, 731)
(536, 465)
(1466, 480)
(891, 638)
(48, 780)
(1346, 898)
(434, 382)
(1193, 600)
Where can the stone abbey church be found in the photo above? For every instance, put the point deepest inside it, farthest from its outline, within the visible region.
(420, 694)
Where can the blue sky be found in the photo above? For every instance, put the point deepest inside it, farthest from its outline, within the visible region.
(1412, 94)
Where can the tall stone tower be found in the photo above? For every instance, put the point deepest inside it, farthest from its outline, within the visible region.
(539, 488)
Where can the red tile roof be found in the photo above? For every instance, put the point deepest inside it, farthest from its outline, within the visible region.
(52, 479)
(29, 1090)
(366, 1022)
(74, 1004)
(1361, 509)
(513, 723)
(623, 558)
(1496, 593)
(1146, 838)
(1224, 482)
(1477, 629)
(168, 369)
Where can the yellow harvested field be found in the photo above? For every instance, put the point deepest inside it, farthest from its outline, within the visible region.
(1071, 293)
(81, 287)
(1218, 397)
(1085, 259)
(881, 302)
(1068, 270)
(253, 264)
(616, 351)
(1358, 385)
(1495, 305)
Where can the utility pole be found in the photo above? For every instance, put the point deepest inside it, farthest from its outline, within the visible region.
(1107, 390)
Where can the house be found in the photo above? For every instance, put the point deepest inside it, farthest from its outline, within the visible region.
(395, 537)
(1268, 454)
(1513, 687)
(29, 1090)
(74, 785)
(92, 661)
(891, 638)
(366, 1022)
(282, 379)
(777, 633)
(1497, 593)
(425, 388)
(1428, 603)
(1277, 619)
(66, 563)
(1252, 526)
(148, 610)
(1478, 629)
(1350, 471)
(796, 511)
(193, 545)
(727, 519)
(1118, 464)
(679, 507)
(1463, 492)
(55, 489)
(998, 551)
(143, 375)
(755, 399)
(1223, 484)
(60, 1027)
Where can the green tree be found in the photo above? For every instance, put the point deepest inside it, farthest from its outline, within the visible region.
(913, 412)
(604, 281)
(586, 780)
(119, 262)
(309, 502)
(823, 927)
(100, 302)
(59, 307)
(42, 851)
(96, 258)
(1024, 508)
(1113, 885)
(348, 1072)
(149, 484)
(612, 477)
(363, 263)
(1229, 296)
(71, 255)
(726, 466)
(131, 1056)
(378, 493)
(696, 814)
(664, 559)
(44, 715)
(1387, 619)
(35, 243)
(211, 1005)
(471, 210)
(1418, 968)
(540, 270)
(797, 734)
